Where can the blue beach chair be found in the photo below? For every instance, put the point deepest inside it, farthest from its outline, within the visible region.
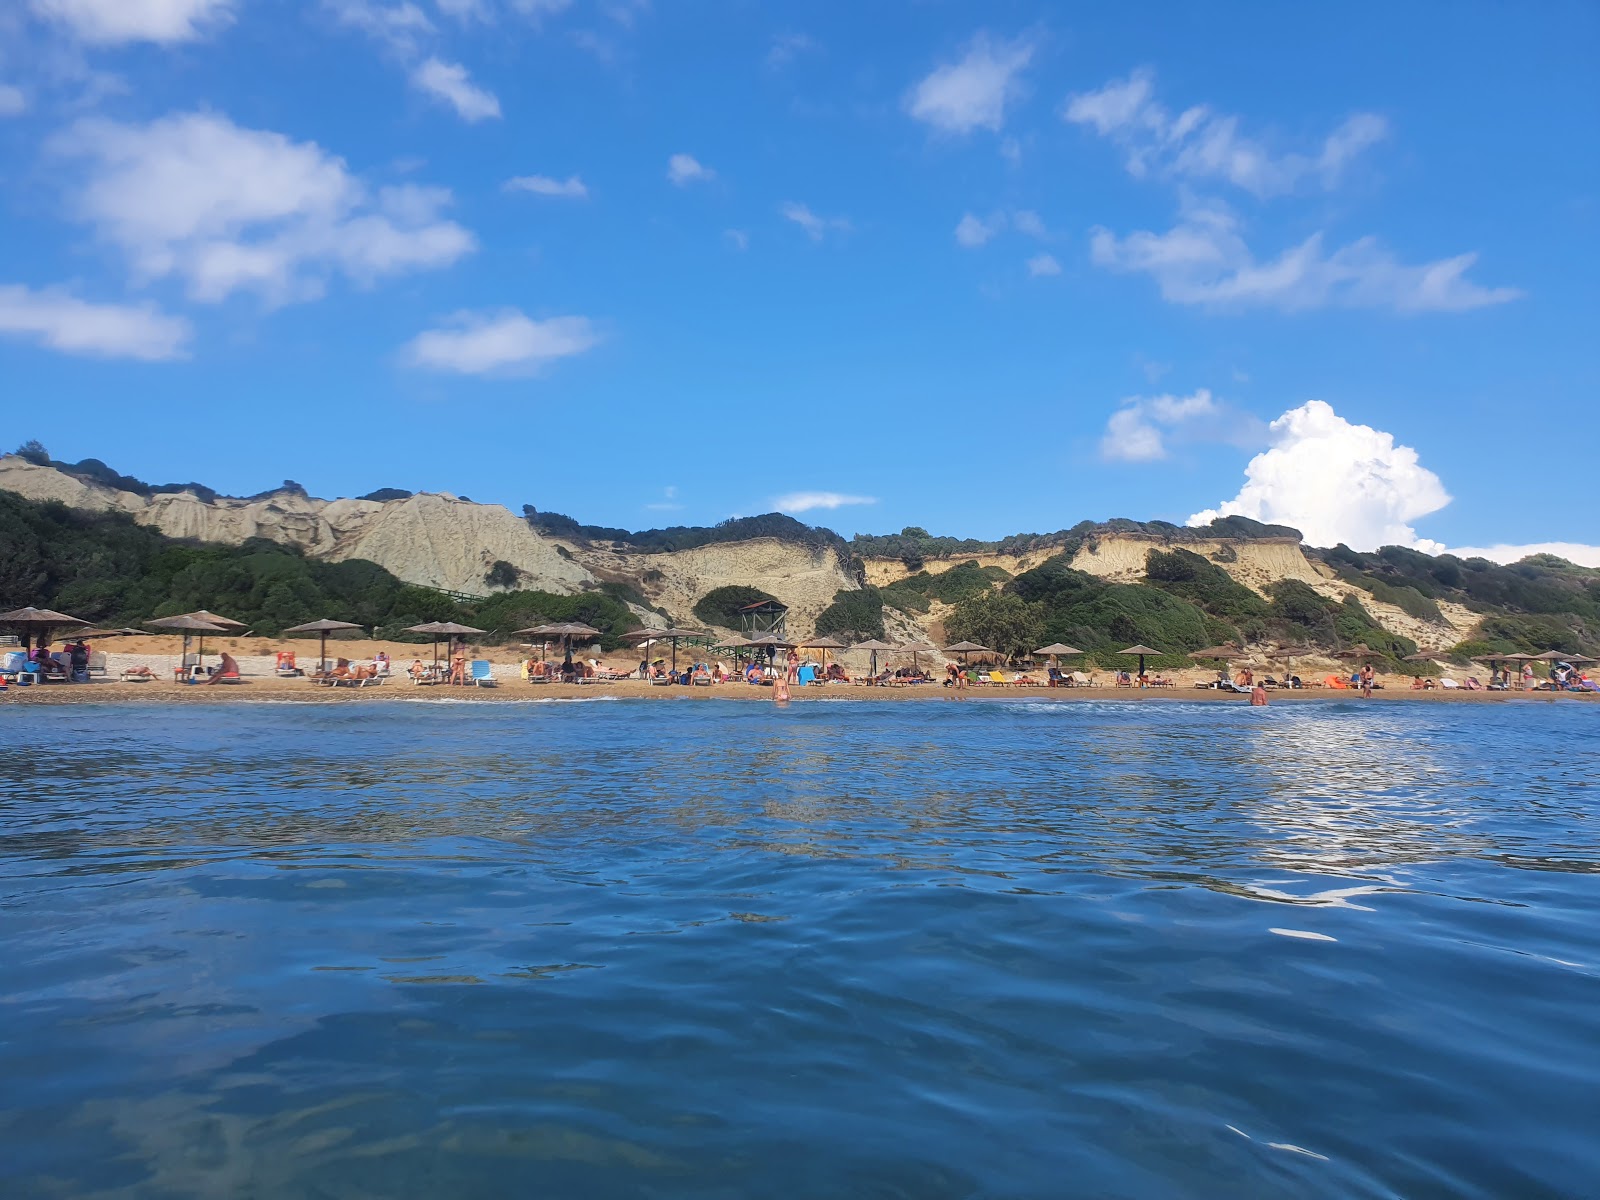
(483, 674)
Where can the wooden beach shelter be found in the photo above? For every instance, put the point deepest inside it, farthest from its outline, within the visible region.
(322, 629)
(872, 647)
(823, 643)
(438, 629)
(35, 625)
(1142, 651)
(189, 626)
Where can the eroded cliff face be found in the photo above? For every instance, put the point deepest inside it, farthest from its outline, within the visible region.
(431, 539)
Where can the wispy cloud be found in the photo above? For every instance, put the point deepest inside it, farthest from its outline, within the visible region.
(1200, 143)
(737, 238)
(450, 83)
(786, 47)
(816, 227)
(1204, 260)
(399, 28)
(973, 231)
(108, 22)
(56, 319)
(684, 169)
(799, 502)
(506, 342)
(571, 188)
(13, 101)
(668, 503)
(1042, 265)
(1139, 431)
(973, 92)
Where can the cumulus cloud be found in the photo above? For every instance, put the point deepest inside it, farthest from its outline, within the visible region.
(1041, 265)
(1336, 482)
(504, 342)
(973, 231)
(450, 83)
(229, 209)
(816, 227)
(1200, 143)
(571, 188)
(973, 92)
(108, 22)
(1577, 552)
(684, 169)
(1204, 259)
(1140, 430)
(61, 321)
(799, 502)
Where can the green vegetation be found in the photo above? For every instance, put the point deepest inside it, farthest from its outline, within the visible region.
(1003, 622)
(1186, 575)
(1101, 617)
(856, 614)
(914, 546)
(687, 537)
(107, 569)
(720, 606)
(501, 575)
(960, 582)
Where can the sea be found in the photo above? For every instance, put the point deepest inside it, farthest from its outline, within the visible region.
(699, 948)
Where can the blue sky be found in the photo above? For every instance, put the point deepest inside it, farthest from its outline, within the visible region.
(984, 268)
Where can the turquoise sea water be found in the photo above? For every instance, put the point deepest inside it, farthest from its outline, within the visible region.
(720, 949)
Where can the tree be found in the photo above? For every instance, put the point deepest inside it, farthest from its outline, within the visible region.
(34, 452)
(501, 575)
(999, 620)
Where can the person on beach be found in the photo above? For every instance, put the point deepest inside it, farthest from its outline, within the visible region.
(793, 674)
(1258, 696)
(1366, 681)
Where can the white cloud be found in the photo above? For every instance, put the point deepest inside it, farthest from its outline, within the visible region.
(799, 502)
(465, 10)
(398, 28)
(450, 82)
(503, 342)
(229, 209)
(972, 93)
(1336, 482)
(669, 503)
(1577, 552)
(108, 22)
(1139, 430)
(1043, 264)
(684, 169)
(543, 185)
(816, 227)
(1029, 222)
(786, 47)
(972, 232)
(12, 100)
(737, 238)
(1204, 260)
(61, 321)
(1201, 144)
(539, 9)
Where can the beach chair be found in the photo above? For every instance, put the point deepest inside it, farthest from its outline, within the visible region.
(138, 675)
(482, 674)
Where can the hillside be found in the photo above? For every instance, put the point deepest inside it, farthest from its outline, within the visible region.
(395, 557)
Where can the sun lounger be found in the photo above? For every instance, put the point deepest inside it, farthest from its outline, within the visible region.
(136, 676)
(483, 673)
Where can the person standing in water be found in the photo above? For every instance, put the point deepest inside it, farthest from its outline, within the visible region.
(1366, 680)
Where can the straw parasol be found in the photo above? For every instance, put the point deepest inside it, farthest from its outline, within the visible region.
(645, 636)
(436, 629)
(966, 648)
(823, 643)
(323, 628)
(565, 630)
(188, 625)
(771, 643)
(916, 648)
(36, 623)
(120, 631)
(872, 646)
(202, 614)
(1142, 651)
(1225, 654)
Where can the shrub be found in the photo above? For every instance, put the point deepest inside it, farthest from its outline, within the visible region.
(1006, 623)
(720, 606)
(856, 614)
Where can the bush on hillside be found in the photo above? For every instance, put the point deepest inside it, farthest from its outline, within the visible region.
(1003, 622)
(856, 614)
(720, 606)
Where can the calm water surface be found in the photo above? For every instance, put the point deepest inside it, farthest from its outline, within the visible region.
(717, 949)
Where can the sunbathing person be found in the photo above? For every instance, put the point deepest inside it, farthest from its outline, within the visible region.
(228, 672)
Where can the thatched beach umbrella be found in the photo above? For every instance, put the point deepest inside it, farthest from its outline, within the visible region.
(966, 648)
(188, 625)
(915, 649)
(565, 630)
(437, 629)
(203, 614)
(1225, 654)
(120, 631)
(873, 646)
(823, 643)
(1551, 657)
(645, 636)
(322, 628)
(769, 644)
(34, 624)
(1141, 651)
(1288, 654)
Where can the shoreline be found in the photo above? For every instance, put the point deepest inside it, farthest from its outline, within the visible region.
(399, 689)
